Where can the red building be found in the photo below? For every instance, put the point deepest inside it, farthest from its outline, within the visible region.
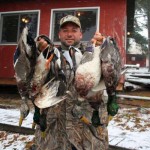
(107, 16)
(136, 59)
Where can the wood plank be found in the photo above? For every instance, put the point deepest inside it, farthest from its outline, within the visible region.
(112, 147)
(8, 81)
(16, 129)
(134, 102)
(147, 76)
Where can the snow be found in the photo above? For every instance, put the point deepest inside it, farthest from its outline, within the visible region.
(11, 116)
(11, 141)
(132, 79)
(130, 128)
(14, 141)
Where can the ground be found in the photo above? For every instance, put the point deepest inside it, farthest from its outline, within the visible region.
(130, 128)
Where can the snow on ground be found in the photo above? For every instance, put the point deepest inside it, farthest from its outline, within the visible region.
(10, 141)
(11, 116)
(130, 128)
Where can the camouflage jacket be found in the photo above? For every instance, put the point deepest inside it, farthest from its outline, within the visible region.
(69, 124)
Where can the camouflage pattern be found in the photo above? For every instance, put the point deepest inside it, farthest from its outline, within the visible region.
(81, 135)
(70, 18)
(56, 137)
(65, 126)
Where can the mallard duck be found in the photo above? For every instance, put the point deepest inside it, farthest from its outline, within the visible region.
(24, 63)
(51, 92)
(111, 70)
(97, 71)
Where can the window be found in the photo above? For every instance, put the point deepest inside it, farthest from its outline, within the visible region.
(89, 18)
(12, 24)
(133, 58)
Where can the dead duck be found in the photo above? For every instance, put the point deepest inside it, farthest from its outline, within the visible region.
(42, 68)
(24, 63)
(48, 92)
(111, 71)
(99, 70)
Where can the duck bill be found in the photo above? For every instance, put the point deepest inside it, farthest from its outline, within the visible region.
(20, 120)
(110, 118)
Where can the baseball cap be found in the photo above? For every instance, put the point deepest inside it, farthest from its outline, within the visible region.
(70, 18)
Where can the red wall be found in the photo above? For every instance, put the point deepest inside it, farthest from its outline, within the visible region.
(112, 22)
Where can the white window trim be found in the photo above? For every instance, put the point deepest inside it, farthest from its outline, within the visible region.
(75, 8)
(21, 11)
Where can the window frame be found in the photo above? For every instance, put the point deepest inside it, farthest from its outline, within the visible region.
(18, 12)
(74, 8)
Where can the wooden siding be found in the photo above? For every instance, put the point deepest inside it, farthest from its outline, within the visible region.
(112, 22)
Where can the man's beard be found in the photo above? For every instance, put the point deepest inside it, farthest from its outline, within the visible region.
(67, 46)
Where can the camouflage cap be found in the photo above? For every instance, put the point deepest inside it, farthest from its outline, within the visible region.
(70, 18)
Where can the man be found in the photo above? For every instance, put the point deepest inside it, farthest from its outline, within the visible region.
(79, 133)
(66, 130)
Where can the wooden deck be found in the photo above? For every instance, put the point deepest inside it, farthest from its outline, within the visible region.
(135, 102)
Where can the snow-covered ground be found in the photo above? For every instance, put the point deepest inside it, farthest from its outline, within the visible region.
(130, 128)
(11, 141)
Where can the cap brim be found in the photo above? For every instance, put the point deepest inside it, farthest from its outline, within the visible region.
(71, 22)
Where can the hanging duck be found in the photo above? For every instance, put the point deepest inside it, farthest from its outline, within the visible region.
(39, 78)
(99, 70)
(24, 63)
(111, 71)
(47, 93)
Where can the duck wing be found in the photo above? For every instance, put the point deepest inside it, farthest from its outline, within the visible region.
(51, 94)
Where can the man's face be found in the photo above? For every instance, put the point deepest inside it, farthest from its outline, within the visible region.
(70, 34)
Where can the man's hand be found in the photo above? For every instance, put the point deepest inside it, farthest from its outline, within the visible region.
(97, 39)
